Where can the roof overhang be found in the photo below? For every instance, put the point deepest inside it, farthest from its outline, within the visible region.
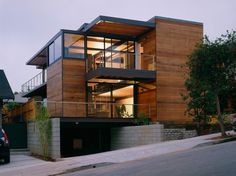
(119, 26)
(40, 58)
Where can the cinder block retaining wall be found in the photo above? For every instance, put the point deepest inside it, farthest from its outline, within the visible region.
(124, 137)
(178, 133)
(34, 143)
(135, 135)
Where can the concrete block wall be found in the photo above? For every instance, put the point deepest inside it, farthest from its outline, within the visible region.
(178, 133)
(131, 136)
(34, 142)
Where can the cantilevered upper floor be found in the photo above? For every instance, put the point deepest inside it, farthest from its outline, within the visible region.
(106, 44)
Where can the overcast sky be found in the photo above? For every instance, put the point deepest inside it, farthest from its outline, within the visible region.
(26, 25)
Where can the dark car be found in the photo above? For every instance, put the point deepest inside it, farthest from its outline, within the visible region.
(4, 147)
(234, 123)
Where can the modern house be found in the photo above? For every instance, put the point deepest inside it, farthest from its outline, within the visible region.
(110, 71)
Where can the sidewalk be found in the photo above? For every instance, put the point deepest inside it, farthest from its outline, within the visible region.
(118, 156)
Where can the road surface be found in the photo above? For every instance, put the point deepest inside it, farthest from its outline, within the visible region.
(215, 160)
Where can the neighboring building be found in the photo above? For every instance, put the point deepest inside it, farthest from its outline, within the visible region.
(89, 75)
(5, 92)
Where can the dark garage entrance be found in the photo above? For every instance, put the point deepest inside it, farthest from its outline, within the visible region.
(81, 137)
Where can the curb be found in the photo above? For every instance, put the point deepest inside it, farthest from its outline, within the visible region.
(214, 142)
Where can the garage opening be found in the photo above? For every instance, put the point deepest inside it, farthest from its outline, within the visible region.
(82, 138)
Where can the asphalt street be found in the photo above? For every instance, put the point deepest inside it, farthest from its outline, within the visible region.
(214, 160)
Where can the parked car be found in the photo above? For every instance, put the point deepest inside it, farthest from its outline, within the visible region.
(234, 123)
(4, 147)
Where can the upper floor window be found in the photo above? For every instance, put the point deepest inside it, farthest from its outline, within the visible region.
(109, 52)
(55, 51)
(73, 46)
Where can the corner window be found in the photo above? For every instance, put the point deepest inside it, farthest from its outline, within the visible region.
(51, 53)
(57, 47)
(55, 50)
(74, 46)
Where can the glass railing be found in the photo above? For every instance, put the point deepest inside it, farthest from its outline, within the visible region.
(95, 109)
(122, 60)
(34, 82)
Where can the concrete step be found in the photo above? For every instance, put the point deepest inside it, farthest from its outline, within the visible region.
(22, 151)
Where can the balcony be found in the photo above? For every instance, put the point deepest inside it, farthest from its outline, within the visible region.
(95, 110)
(120, 65)
(35, 86)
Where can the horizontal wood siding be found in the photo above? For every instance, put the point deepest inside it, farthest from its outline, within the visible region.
(74, 88)
(148, 97)
(148, 104)
(175, 41)
(54, 89)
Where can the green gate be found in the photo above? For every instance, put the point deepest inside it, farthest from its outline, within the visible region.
(17, 134)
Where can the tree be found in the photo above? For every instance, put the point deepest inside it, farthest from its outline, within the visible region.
(211, 76)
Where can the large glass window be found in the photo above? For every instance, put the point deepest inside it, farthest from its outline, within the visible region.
(55, 50)
(51, 53)
(110, 53)
(57, 47)
(119, 45)
(110, 100)
(74, 46)
(95, 42)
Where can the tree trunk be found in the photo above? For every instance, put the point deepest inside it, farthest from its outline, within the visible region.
(220, 119)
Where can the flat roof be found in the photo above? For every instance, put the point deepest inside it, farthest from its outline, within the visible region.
(119, 26)
(174, 20)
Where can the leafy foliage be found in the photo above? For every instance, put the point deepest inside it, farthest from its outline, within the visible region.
(142, 119)
(11, 105)
(43, 124)
(211, 77)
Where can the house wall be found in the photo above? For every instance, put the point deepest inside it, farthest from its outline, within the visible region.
(146, 101)
(74, 88)
(175, 41)
(34, 144)
(66, 83)
(148, 43)
(54, 89)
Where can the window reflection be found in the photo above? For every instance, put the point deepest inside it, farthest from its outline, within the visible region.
(57, 47)
(55, 51)
(110, 53)
(95, 42)
(74, 46)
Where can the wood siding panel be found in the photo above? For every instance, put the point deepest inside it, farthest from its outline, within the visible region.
(74, 88)
(54, 89)
(175, 41)
(148, 104)
(148, 42)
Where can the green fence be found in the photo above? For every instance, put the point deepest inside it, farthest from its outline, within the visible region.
(17, 134)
